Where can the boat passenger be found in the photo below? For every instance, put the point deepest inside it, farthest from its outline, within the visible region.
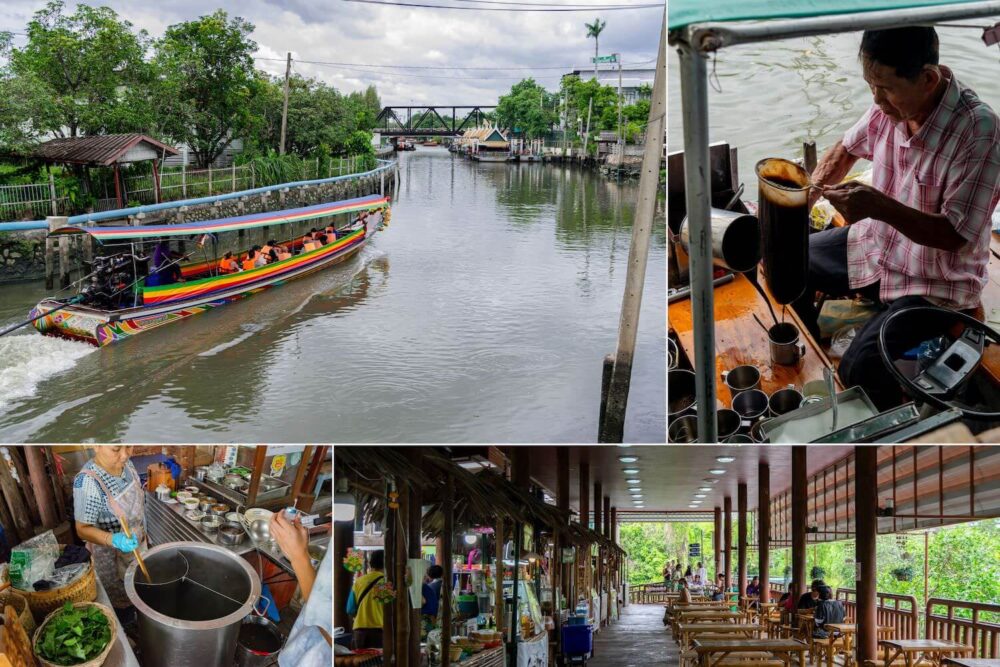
(920, 233)
(251, 259)
(228, 263)
(260, 259)
(164, 267)
(331, 233)
(105, 491)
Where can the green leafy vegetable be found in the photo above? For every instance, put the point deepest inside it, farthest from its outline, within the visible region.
(74, 635)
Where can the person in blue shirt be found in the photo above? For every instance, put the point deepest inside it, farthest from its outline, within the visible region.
(431, 591)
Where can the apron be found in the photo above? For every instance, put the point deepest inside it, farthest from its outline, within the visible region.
(111, 563)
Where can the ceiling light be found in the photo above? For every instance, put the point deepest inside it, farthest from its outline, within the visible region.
(628, 459)
(696, 502)
(630, 471)
(717, 471)
(710, 480)
(471, 538)
(704, 488)
(699, 495)
(725, 459)
(634, 481)
(637, 495)
(693, 506)
(635, 489)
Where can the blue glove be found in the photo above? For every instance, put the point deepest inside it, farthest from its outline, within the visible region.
(124, 544)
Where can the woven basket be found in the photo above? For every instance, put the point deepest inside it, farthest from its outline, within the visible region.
(97, 660)
(42, 603)
(20, 605)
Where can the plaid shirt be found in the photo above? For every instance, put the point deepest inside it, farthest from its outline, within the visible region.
(90, 505)
(951, 166)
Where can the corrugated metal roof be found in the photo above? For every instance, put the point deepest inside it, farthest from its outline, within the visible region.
(99, 150)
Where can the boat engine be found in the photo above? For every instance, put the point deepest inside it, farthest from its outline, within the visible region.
(110, 280)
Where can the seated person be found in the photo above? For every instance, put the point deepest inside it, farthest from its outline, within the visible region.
(260, 259)
(250, 261)
(696, 586)
(720, 588)
(164, 267)
(685, 593)
(272, 255)
(331, 233)
(828, 610)
(753, 591)
(228, 263)
(810, 599)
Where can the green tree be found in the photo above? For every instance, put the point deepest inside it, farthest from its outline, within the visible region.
(80, 73)
(527, 109)
(207, 69)
(594, 30)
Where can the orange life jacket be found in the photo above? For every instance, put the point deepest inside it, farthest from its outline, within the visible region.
(228, 265)
(248, 264)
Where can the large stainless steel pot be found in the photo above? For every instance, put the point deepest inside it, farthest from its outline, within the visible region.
(735, 239)
(192, 615)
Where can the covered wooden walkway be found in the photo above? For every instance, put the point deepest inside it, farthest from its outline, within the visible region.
(638, 639)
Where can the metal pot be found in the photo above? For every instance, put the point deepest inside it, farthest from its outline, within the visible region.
(232, 533)
(210, 524)
(783, 339)
(735, 239)
(683, 430)
(218, 509)
(205, 504)
(187, 623)
(259, 642)
(200, 472)
(727, 423)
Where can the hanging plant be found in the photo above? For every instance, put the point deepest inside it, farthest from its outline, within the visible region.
(353, 561)
(817, 572)
(904, 573)
(384, 593)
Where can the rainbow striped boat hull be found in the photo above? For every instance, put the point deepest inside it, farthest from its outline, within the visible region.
(170, 303)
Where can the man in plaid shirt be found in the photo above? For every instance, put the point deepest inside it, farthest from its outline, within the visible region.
(920, 234)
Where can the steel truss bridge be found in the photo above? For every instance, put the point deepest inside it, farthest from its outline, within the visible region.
(429, 121)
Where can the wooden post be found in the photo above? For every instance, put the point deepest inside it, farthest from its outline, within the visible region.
(727, 536)
(599, 570)
(389, 620)
(260, 453)
(300, 472)
(10, 527)
(498, 599)
(284, 105)
(448, 507)
(717, 541)
(184, 186)
(35, 459)
(27, 487)
(15, 502)
(402, 601)
(343, 539)
(560, 580)
(210, 180)
(156, 183)
(866, 532)
(118, 187)
(799, 509)
(642, 227)
(764, 529)
(233, 167)
(607, 517)
(64, 271)
(809, 155)
(50, 262)
(413, 535)
(741, 536)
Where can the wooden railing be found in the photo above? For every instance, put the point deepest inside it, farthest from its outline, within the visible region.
(648, 593)
(957, 621)
(897, 611)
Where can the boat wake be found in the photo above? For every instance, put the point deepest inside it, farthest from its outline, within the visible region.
(27, 360)
(248, 329)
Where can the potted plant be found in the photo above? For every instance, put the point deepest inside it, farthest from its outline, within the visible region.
(904, 573)
(817, 572)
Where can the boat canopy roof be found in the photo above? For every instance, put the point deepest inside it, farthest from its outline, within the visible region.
(686, 12)
(228, 224)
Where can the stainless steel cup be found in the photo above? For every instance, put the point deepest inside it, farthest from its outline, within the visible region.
(783, 339)
(683, 430)
(727, 423)
(741, 378)
(680, 393)
(751, 405)
(757, 432)
(784, 400)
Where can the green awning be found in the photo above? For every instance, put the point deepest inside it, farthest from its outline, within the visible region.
(685, 12)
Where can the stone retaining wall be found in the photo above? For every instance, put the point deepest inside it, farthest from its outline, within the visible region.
(22, 254)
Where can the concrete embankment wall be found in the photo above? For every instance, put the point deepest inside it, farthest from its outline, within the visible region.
(22, 254)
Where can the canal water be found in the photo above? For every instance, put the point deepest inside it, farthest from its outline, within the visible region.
(481, 314)
(776, 95)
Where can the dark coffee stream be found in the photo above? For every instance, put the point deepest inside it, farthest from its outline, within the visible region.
(785, 231)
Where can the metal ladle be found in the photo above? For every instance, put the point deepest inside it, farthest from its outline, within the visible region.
(831, 387)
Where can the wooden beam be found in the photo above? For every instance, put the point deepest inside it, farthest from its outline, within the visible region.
(413, 535)
(402, 601)
(800, 499)
(727, 536)
(448, 507)
(300, 473)
(741, 536)
(15, 502)
(17, 456)
(866, 533)
(35, 458)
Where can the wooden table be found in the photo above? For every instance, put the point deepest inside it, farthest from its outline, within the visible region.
(739, 340)
(709, 615)
(912, 649)
(971, 662)
(688, 631)
(847, 630)
(711, 652)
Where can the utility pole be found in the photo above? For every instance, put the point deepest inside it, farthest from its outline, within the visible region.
(586, 136)
(284, 107)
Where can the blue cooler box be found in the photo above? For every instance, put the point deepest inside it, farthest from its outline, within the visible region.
(577, 639)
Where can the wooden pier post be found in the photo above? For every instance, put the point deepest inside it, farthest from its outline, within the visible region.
(50, 261)
(55, 222)
(809, 155)
(764, 530)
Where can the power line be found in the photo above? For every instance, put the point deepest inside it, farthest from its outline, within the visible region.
(445, 67)
(541, 4)
(603, 8)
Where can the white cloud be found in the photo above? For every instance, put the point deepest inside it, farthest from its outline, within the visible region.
(344, 32)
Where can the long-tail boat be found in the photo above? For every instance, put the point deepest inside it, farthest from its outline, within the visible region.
(115, 302)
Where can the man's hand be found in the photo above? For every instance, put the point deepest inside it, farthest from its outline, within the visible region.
(855, 201)
(291, 536)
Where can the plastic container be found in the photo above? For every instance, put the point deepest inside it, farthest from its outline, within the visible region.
(577, 639)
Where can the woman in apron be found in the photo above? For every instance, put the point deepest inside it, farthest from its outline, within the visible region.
(106, 490)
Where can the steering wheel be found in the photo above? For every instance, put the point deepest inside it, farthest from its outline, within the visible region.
(940, 383)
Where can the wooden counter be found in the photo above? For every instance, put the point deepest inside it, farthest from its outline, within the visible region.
(740, 340)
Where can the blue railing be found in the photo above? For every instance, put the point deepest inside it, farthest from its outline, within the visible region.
(85, 218)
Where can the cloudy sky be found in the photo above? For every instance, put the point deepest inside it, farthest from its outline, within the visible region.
(348, 32)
